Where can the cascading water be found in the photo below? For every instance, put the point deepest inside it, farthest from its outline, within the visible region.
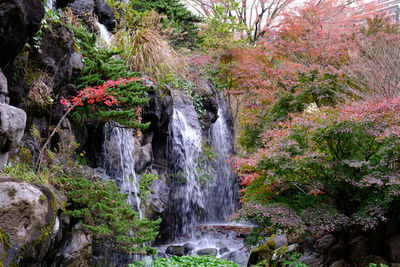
(50, 4)
(186, 149)
(202, 204)
(221, 192)
(104, 33)
(118, 156)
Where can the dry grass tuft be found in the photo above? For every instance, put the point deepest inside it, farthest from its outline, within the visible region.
(147, 48)
(39, 93)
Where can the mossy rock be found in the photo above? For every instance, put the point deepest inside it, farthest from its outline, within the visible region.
(260, 254)
(31, 209)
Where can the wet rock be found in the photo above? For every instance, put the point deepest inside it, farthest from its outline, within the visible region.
(312, 259)
(238, 256)
(394, 245)
(161, 254)
(189, 247)
(183, 103)
(220, 244)
(12, 125)
(105, 256)
(19, 20)
(28, 217)
(143, 156)
(223, 250)
(82, 7)
(325, 243)
(57, 48)
(104, 14)
(77, 249)
(207, 251)
(160, 198)
(177, 250)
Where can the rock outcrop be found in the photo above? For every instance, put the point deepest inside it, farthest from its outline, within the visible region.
(28, 216)
(58, 54)
(19, 20)
(12, 126)
(76, 250)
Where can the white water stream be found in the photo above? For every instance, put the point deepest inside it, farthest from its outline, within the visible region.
(119, 162)
(104, 33)
(186, 148)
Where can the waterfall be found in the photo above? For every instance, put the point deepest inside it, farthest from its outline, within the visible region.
(104, 33)
(118, 156)
(221, 192)
(205, 192)
(50, 4)
(186, 149)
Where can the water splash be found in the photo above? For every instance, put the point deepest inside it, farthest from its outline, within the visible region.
(186, 149)
(104, 33)
(119, 162)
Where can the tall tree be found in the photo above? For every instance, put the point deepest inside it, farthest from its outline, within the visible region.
(178, 17)
(257, 15)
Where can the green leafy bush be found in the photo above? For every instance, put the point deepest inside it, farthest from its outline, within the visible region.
(100, 65)
(193, 261)
(326, 168)
(104, 211)
(145, 185)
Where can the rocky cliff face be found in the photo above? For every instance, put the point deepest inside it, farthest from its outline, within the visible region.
(33, 229)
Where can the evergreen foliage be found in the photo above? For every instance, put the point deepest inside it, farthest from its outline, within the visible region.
(194, 261)
(100, 65)
(178, 17)
(104, 211)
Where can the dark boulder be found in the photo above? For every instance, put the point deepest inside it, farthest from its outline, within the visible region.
(177, 250)
(28, 215)
(77, 249)
(82, 7)
(57, 48)
(325, 243)
(238, 256)
(3, 88)
(158, 112)
(159, 199)
(15, 71)
(207, 251)
(105, 14)
(19, 20)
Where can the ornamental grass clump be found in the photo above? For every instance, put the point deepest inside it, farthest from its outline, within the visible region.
(146, 48)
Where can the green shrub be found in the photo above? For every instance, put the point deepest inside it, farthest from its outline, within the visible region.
(100, 65)
(104, 211)
(145, 185)
(193, 261)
